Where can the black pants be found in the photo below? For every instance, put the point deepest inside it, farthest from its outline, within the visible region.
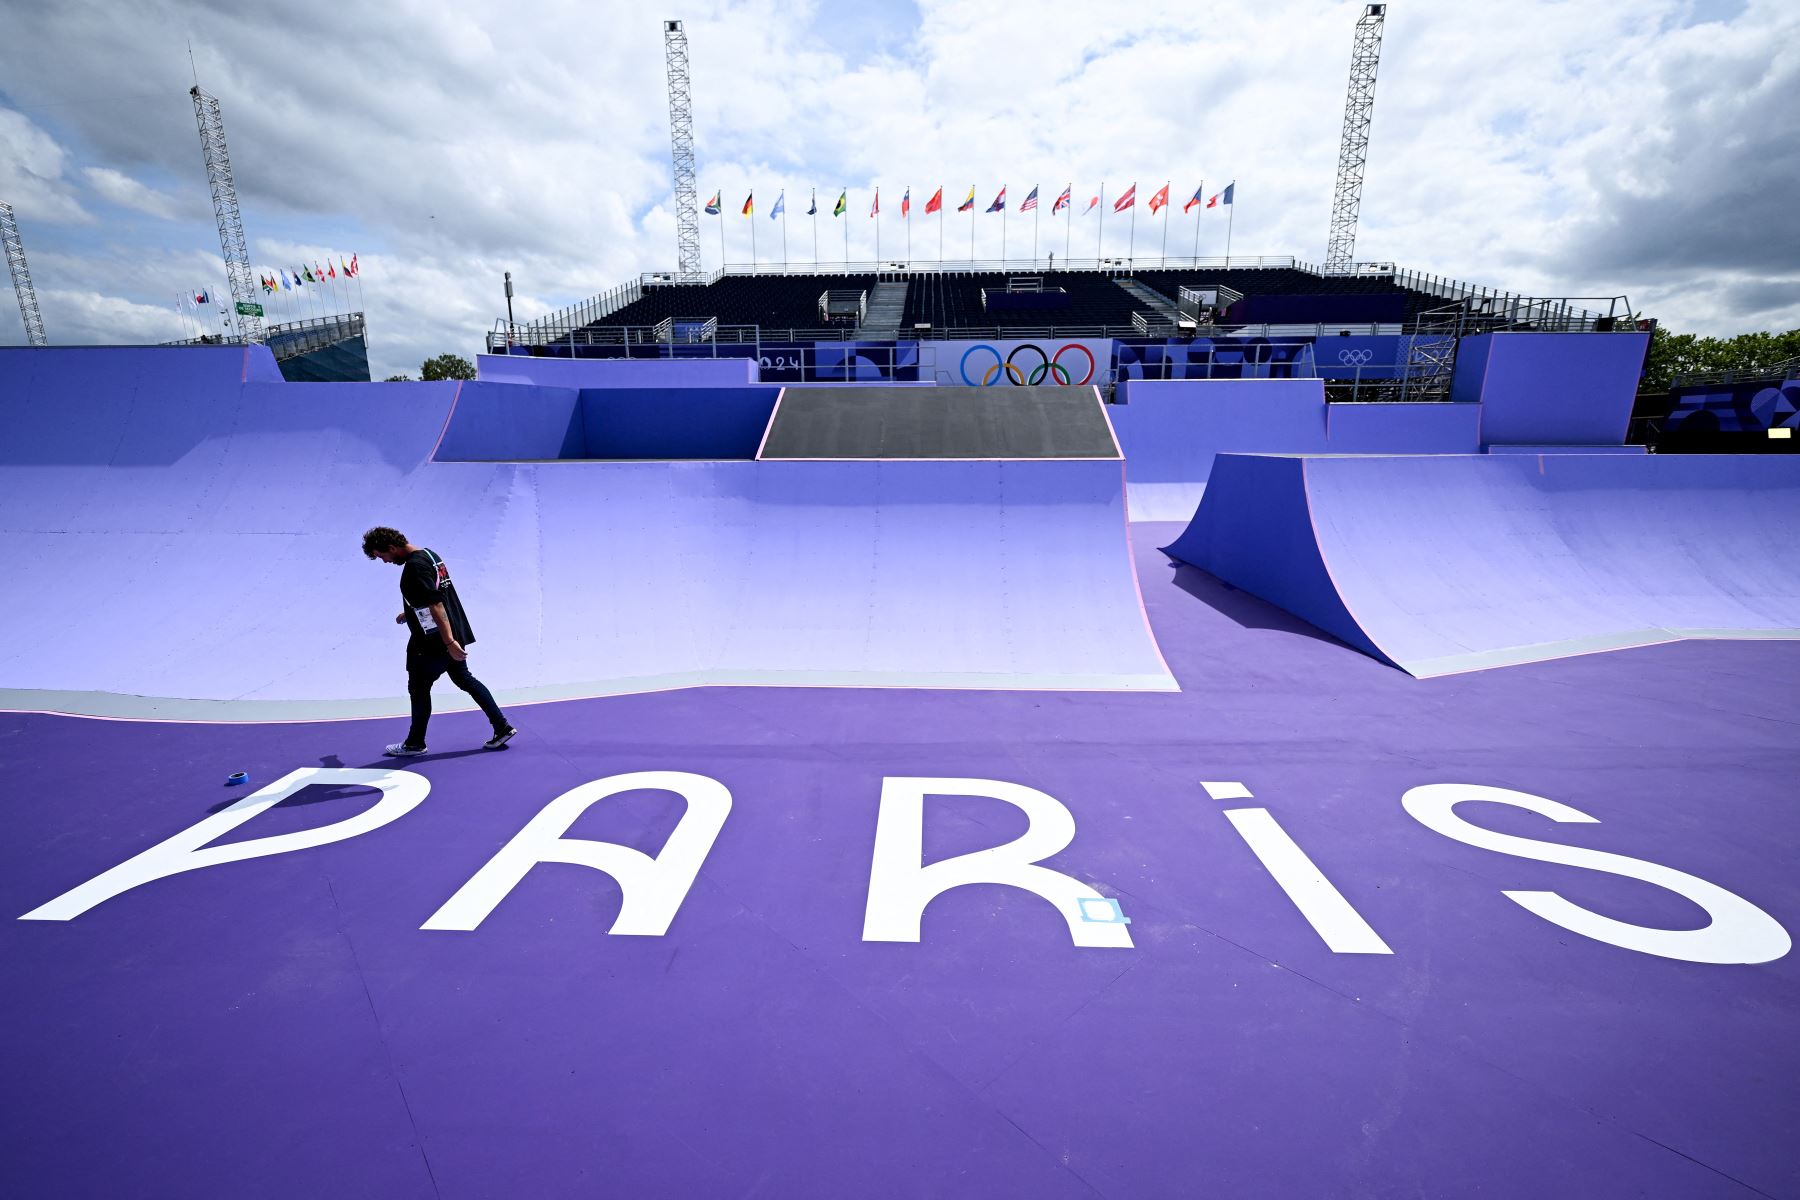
(424, 663)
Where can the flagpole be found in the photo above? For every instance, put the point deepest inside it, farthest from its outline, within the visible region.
(1003, 227)
(906, 220)
(1131, 241)
(752, 203)
(784, 231)
(1228, 218)
(940, 227)
(1166, 207)
(1068, 225)
(846, 231)
(813, 212)
(877, 215)
(1034, 232)
(1100, 234)
(1197, 210)
(971, 227)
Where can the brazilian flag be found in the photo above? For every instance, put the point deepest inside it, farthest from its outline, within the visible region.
(842, 204)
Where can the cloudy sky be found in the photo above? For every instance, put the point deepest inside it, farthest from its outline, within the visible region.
(1552, 148)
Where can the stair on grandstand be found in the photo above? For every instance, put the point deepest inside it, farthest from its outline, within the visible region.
(1163, 317)
(887, 304)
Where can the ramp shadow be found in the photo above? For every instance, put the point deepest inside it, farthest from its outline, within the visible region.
(1244, 609)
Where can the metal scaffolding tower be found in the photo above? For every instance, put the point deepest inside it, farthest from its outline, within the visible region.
(21, 277)
(1353, 151)
(681, 141)
(225, 208)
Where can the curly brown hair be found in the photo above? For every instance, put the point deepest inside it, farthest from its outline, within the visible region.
(382, 538)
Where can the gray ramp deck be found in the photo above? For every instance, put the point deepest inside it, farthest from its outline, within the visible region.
(942, 422)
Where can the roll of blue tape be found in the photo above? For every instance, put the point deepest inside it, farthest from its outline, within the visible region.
(237, 777)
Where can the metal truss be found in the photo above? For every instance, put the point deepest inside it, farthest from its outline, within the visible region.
(225, 209)
(21, 277)
(1353, 150)
(681, 141)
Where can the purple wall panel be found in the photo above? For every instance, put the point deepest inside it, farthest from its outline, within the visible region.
(685, 422)
(1566, 388)
(1170, 432)
(1453, 563)
(616, 372)
(496, 421)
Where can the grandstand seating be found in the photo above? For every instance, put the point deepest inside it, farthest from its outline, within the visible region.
(952, 300)
(772, 301)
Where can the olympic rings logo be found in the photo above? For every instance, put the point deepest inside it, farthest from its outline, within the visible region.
(1049, 367)
(1355, 358)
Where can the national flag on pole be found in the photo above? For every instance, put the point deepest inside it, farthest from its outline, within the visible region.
(814, 210)
(843, 204)
(750, 205)
(310, 277)
(1195, 200)
(347, 272)
(1223, 197)
(713, 206)
(999, 204)
(318, 272)
(298, 282)
(1062, 201)
(1127, 200)
(355, 271)
(780, 206)
(876, 207)
(1030, 202)
(968, 204)
(936, 203)
(906, 204)
(1161, 198)
(200, 298)
(1093, 203)
(331, 270)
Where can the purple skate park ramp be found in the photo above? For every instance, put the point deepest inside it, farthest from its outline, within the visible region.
(213, 494)
(1440, 564)
(1037, 927)
(1171, 430)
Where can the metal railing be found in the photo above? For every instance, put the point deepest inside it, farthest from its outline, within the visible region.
(1779, 372)
(294, 338)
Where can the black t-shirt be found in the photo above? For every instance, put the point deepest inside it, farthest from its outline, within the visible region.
(424, 581)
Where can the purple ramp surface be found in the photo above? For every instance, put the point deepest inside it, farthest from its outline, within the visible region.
(1441, 564)
(1170, 430)
(226, 518)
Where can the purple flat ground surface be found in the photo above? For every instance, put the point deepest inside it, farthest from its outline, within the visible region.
(283, 1027)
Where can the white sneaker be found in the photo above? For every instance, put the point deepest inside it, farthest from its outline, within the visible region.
(402, 750)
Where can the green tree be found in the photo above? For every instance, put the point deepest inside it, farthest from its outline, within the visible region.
(446, 366)
(1673, 354)
(398, 379)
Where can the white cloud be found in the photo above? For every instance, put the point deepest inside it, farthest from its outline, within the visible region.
(31, 175)
(121, 189)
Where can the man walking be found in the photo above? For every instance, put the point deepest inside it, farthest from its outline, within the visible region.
(440, 632)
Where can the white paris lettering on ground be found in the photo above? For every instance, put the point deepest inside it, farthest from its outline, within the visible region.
(901, 884)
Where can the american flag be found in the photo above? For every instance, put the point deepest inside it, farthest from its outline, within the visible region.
(1030, 202)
